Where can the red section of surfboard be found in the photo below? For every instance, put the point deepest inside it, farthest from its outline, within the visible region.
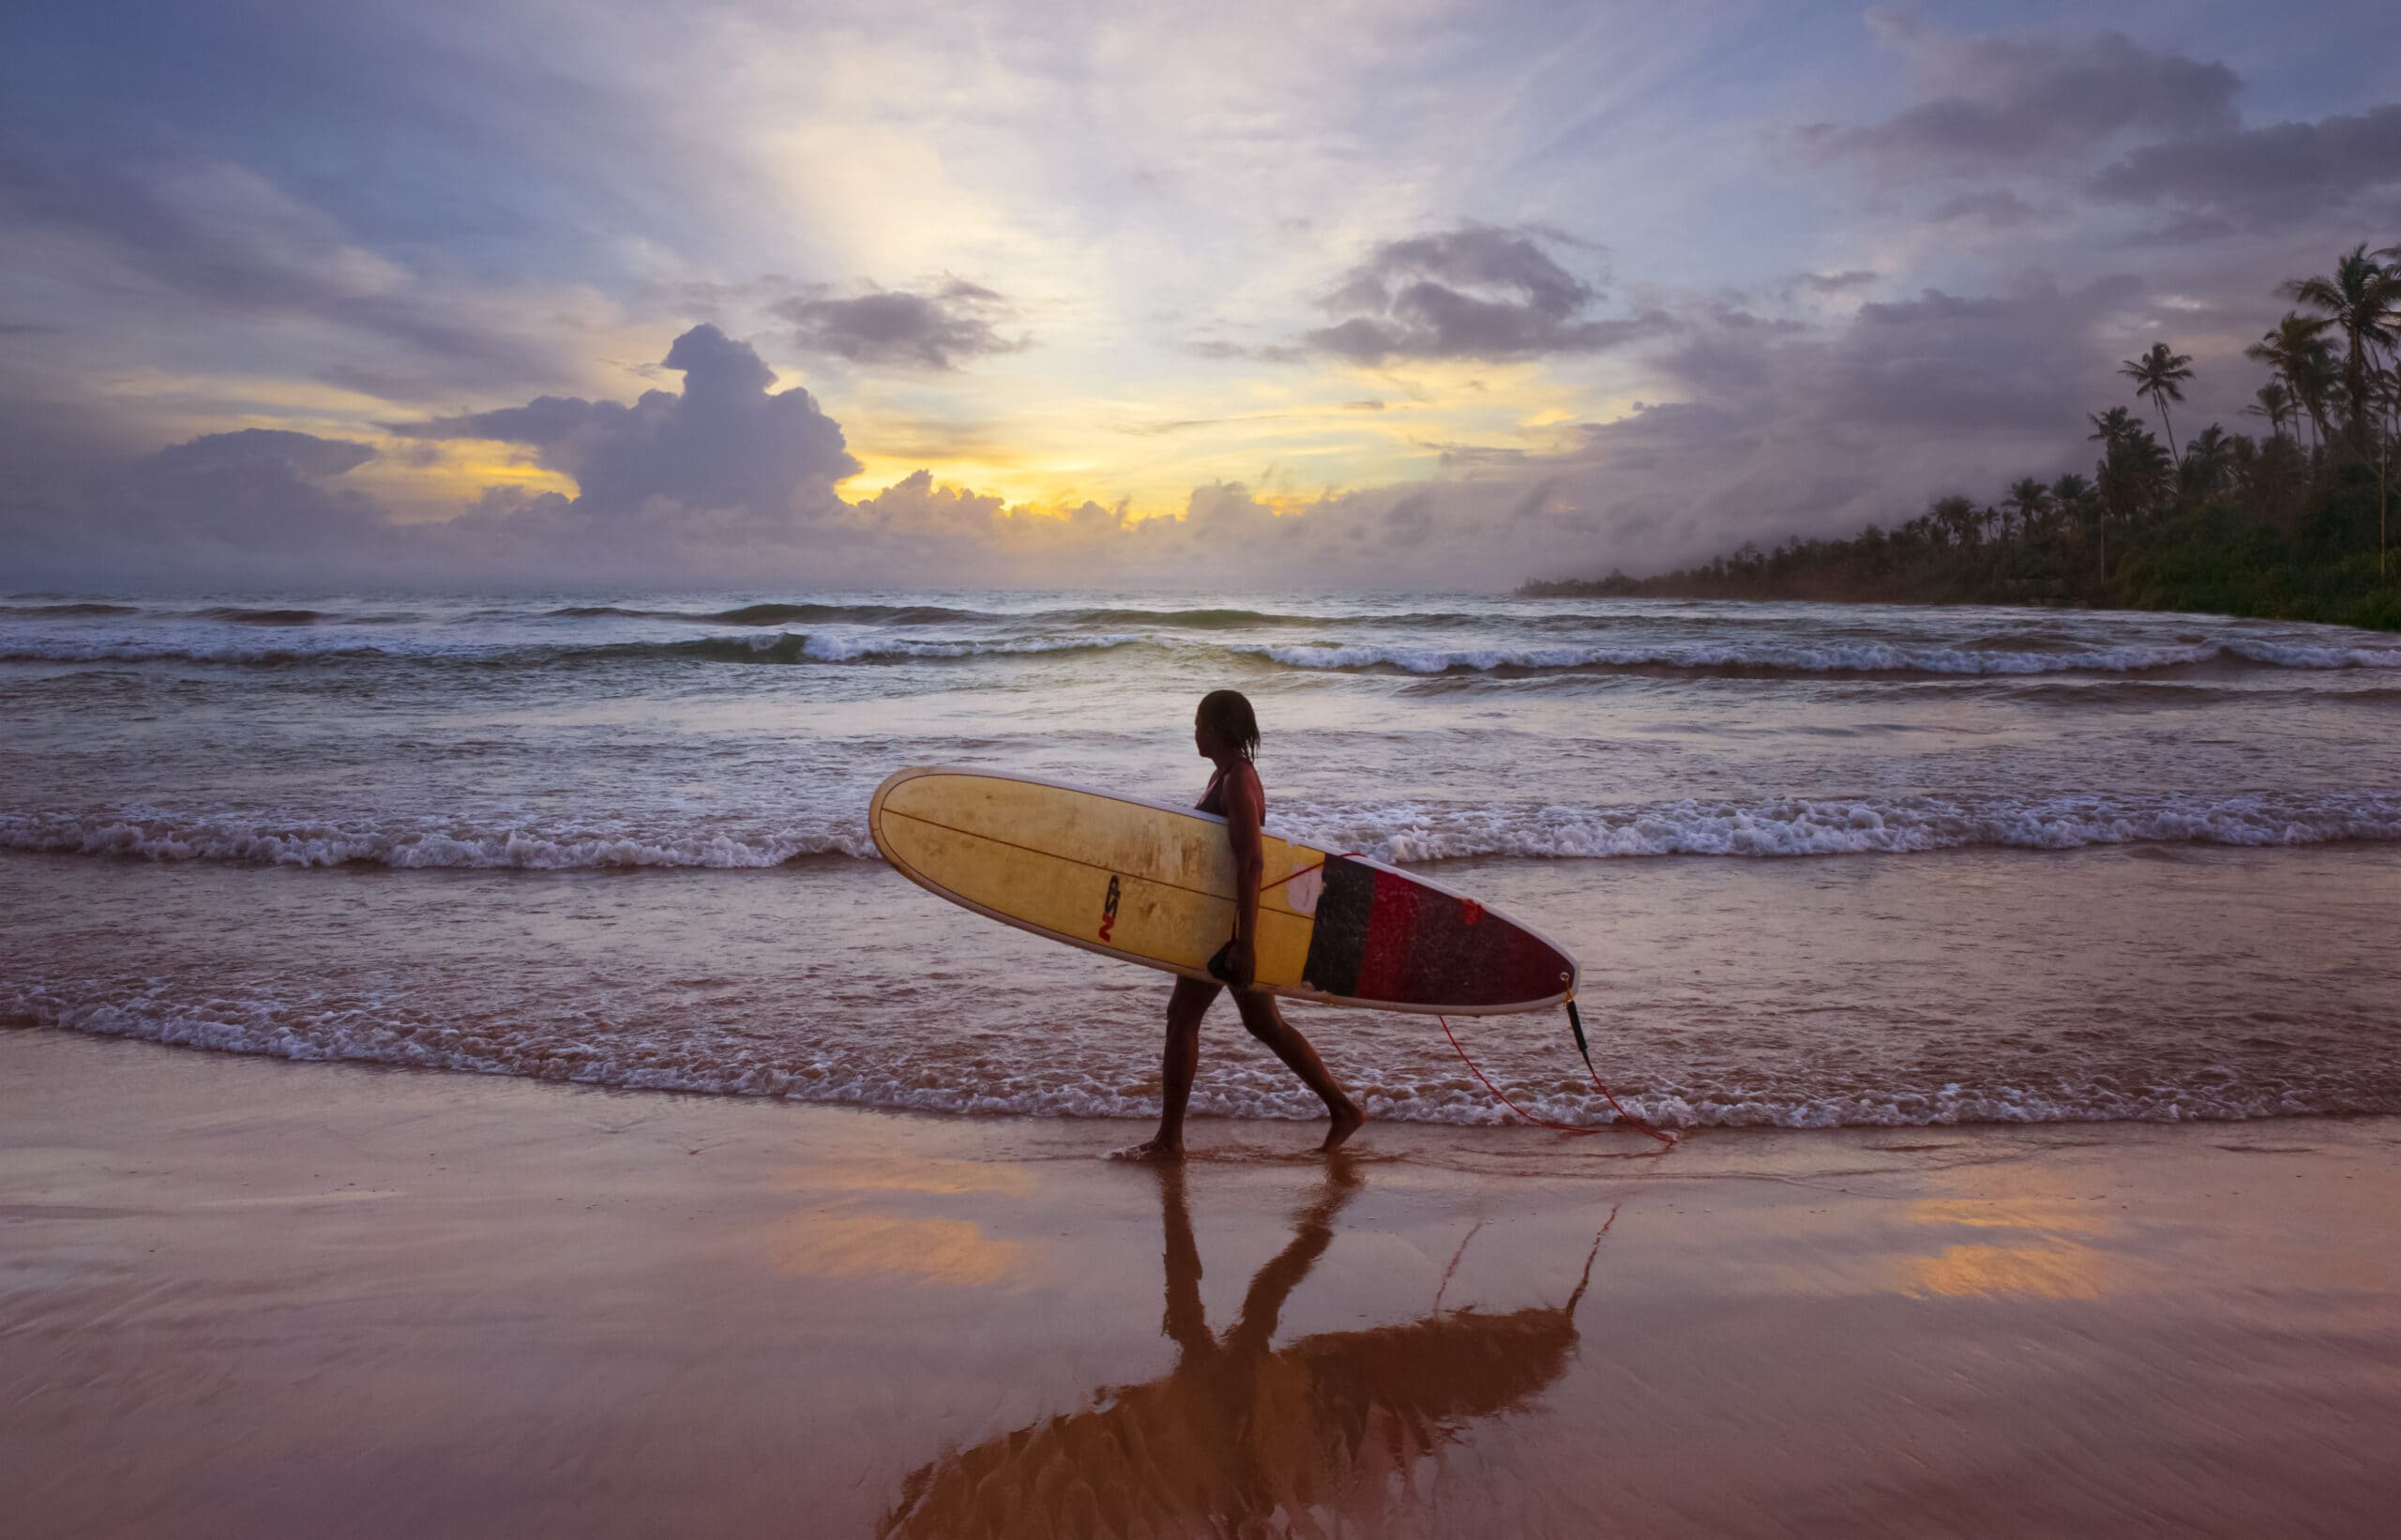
(1392, 926)
(1423, 946)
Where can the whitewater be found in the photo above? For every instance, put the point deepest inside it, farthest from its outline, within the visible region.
(1824, 865)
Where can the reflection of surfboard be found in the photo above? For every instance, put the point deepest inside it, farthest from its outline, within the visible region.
(1155, 884)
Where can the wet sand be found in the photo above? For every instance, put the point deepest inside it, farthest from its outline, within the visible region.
(246, 1297)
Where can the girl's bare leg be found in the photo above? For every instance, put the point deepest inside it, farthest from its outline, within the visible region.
(1267, 1024)
(1178, 1063)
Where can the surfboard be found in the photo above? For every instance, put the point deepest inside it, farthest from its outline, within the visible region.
(1154, 884)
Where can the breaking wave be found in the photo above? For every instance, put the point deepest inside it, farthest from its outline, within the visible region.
(1848, 657)
(67, 610)
(1404, 834)
(1799, 826)
(781, 647)
(238, 615)
(154, 835)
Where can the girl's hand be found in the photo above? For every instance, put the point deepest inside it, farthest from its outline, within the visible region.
(1240, 963)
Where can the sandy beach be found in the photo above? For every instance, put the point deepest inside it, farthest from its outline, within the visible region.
(249, 1297)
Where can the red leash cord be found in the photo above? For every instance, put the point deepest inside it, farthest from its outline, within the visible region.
(1623, 1116)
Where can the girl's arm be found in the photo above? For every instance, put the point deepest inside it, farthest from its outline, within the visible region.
(1245, 805)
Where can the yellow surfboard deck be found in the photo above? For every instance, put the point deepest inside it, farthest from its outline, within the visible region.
(1155, 884)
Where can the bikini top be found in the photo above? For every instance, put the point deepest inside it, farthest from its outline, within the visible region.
(1213, 799)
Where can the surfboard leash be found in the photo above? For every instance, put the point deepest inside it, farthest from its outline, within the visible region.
(1625, 1119)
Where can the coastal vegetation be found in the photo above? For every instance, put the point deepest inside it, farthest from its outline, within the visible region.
(2291, 520)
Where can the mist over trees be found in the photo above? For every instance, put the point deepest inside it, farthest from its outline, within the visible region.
(2292, 519)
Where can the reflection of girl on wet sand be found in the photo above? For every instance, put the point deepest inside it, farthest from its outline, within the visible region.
(1241, 1438)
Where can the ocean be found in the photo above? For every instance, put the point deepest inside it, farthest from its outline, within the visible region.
(1822, 865)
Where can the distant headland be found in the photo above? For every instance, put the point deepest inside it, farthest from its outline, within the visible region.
(2293, 524)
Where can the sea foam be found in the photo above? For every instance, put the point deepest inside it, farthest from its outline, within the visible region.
(1405, 833)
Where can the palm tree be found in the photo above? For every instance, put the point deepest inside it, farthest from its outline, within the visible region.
(2207, 459)
(1956, 517)
(2386, 382)
(2160, 375)
(2296, 349)
(2363, 298)
(2110, 426)
(2273, 402)
(2135, 472)
(2029, 500)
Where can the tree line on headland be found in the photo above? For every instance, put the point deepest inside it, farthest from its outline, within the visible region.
(2291, 523)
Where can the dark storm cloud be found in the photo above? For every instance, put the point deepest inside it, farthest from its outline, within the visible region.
(2000, 102)
(932, 330)
(2264, 174)
(1475, 292)
(725, 442)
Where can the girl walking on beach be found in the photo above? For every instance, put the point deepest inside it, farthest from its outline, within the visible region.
(1226, 732)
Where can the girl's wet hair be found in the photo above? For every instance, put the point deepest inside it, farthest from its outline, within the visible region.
(1228, 711)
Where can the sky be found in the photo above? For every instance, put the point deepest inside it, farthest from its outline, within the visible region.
(1399, 296)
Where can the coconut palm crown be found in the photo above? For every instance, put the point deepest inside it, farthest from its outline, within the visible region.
(2361, 298)
(2160, 375)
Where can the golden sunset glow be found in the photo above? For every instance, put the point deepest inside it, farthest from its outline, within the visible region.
(2046, 1248)
(951, 1252)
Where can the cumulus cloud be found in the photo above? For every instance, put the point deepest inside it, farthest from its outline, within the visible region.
(1999, 102)
(726, 441)
(258, 503)
(1475, 292)
(935, 330)
(253, 451)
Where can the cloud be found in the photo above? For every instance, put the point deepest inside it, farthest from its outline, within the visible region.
(725, 442)
(1835, 283)
(1995, 208)
(254, 451)
(1772, 433)
(894, 326)
(2003, 102)
(2266, 173)
(225, 244)
(1218, 350)
(1475, 292)
(259, 505)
